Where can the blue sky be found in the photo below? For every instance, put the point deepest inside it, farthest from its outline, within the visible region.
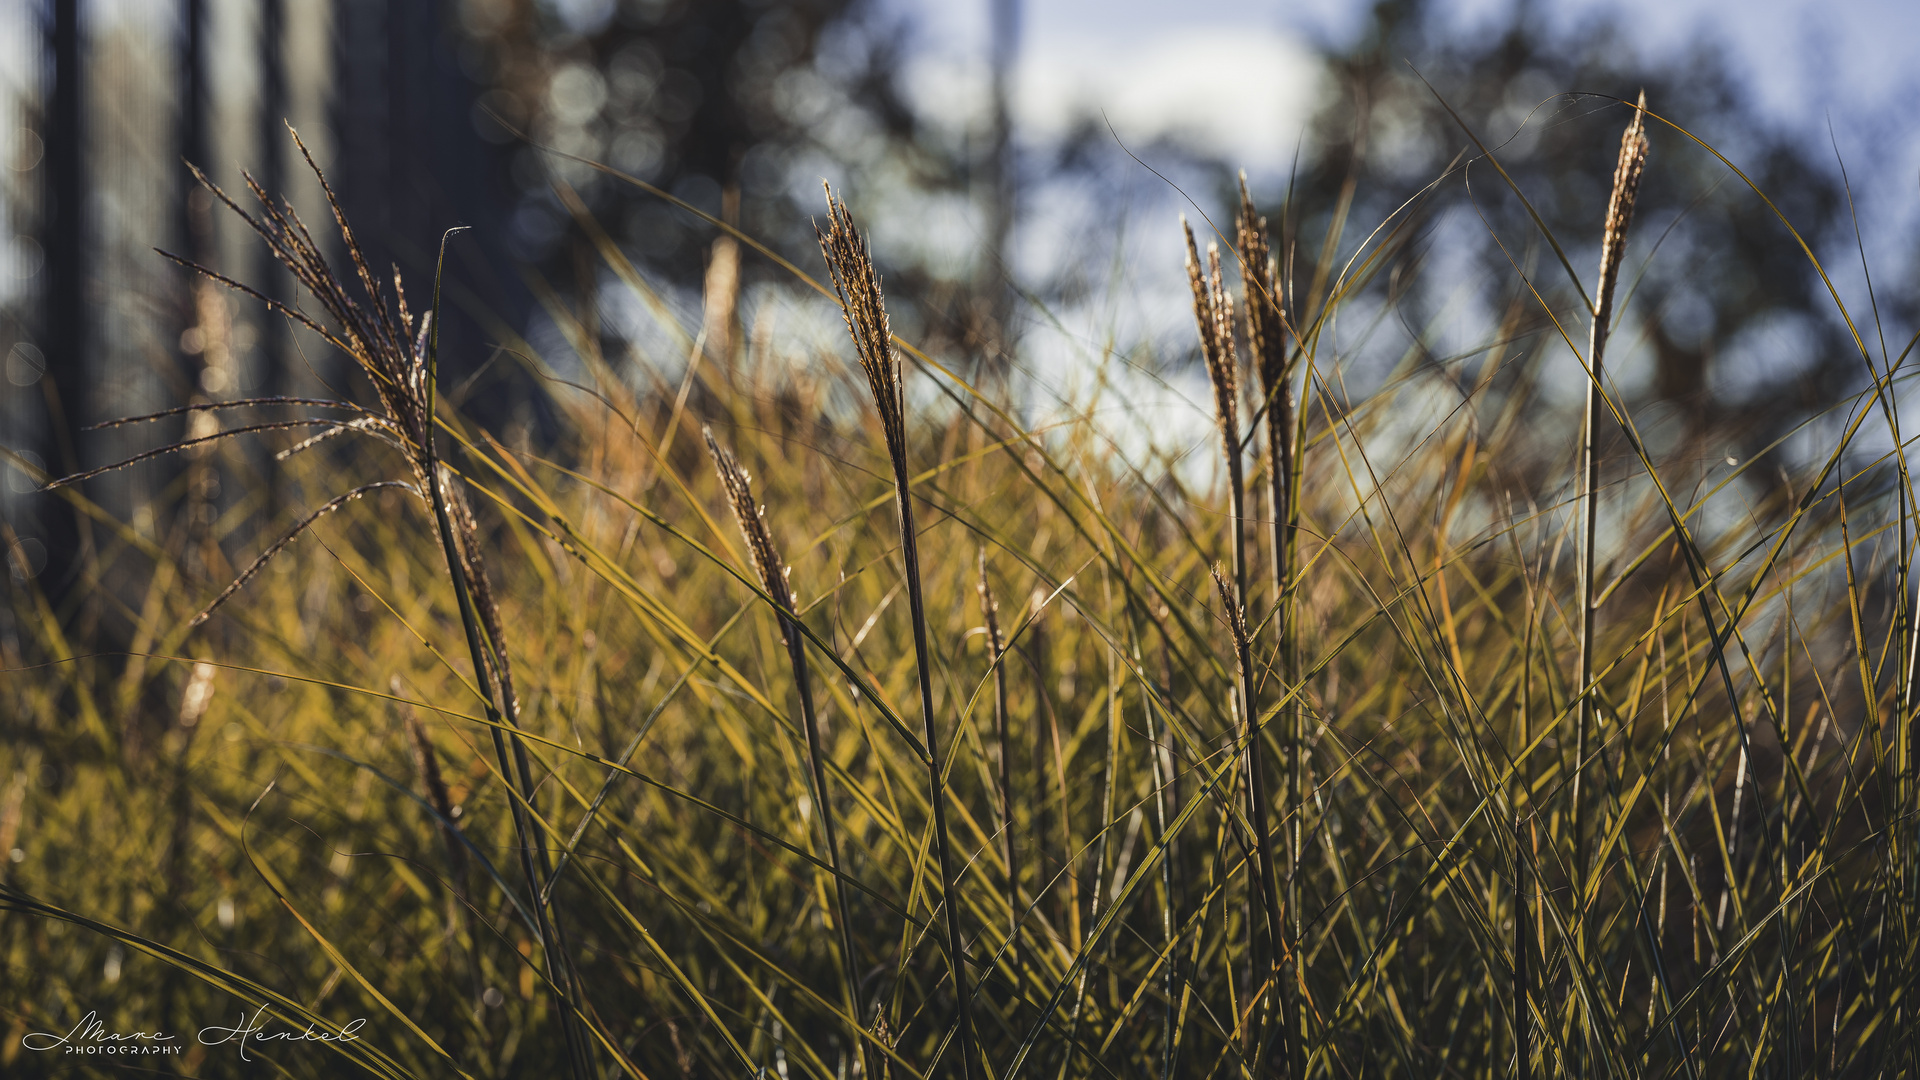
(1155, 67)
(1803, 60)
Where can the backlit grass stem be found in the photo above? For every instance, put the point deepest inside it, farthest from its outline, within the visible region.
(1213, 313)
(490, 671)
(1626, 185)
(996, 654)
(858, 286)
(773, 577)
(1267, 345)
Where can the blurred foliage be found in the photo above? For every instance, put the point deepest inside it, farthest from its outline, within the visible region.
(698, 98)
(1739, 355)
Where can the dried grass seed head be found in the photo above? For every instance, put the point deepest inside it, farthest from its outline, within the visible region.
(1259, 275)
(864, 308)
(1213, 313)
(1230, 603)
(1627, 172)
(753, 525)
(378, 332)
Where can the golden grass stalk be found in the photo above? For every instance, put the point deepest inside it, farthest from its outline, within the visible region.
(398, 355)
(1626, 185)
(772, 572)
(427, 763)
(864, 309)
(1214, 319)
(1522, 947)
(996, 653)
(1266, 331)
(1213, 313)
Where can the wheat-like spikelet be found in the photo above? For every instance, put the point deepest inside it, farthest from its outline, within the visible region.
(765, 557)
(1266, 329)
(1626, 185)
(1213, 314)
(427, 763)
(735, 480)
(864, 309)
(862, 305)
(480, 584)
(1236, 618)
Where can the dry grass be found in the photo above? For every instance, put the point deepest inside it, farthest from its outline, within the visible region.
(1164, 820)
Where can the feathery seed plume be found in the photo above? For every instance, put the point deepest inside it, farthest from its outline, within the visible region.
(753, 524)
(1626, 187)
(1213, 312)
(865, 311)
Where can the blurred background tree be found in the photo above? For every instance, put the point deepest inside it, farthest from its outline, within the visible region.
(1733, 338)
(741, 108)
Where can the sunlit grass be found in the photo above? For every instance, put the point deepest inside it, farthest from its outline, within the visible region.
(242, 814)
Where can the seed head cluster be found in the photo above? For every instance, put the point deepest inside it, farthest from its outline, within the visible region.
(378, 332)
(1213, 313)
(1626, 186)
(753, 524)
(865, 311)
(1266, 330)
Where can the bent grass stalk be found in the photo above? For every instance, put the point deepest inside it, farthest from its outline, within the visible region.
(864, 309)
(472, 589)
(1267, 345)
(996, 654)
(399, 355)
(773, 572)
(1626, 185)
(1213, 312)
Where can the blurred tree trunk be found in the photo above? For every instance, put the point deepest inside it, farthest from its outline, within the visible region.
(995, 285)
(192, 222)
(274, 375)
(199, 331)
(408, 165)
(63, 223)
(268, 276)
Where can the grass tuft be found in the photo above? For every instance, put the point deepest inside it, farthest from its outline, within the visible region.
(1480, 781)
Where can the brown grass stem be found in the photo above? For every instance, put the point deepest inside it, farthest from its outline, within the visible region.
(857, 284)
(1626, 185)
(996, 653)
(1266, 332)
(773, 572)
(490, 672)
(1213, 313)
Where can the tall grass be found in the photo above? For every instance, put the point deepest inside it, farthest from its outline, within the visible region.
(1532, 755)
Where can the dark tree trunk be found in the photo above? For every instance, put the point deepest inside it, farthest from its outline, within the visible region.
(273, 363)
(191, 136)
(268, 277)
(63, 209)
(409, 165)
(994, 284)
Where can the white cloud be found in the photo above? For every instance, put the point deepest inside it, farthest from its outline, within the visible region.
(1238, 92)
